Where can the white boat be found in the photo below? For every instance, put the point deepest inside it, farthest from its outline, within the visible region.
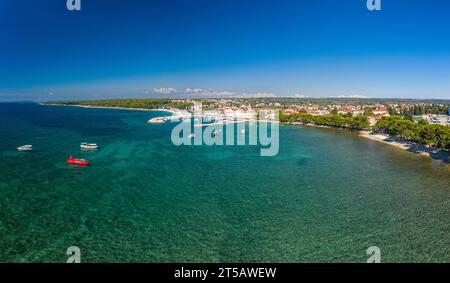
(25, 148)
(191, 136)
(243, 131)
(90, 146)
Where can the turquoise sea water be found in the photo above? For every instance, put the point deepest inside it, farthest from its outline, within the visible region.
(326, 197)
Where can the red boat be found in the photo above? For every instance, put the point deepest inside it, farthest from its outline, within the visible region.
(80, 162)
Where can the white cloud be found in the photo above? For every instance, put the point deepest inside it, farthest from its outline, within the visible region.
(196, 92)
(165, 90)
(349, 96)
(208, 93)
(257, 95)
(193, 91)
(298, 95)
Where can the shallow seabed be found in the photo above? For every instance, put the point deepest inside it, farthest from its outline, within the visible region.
(326, 197)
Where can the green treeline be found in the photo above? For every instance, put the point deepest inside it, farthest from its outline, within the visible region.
(421, 109)
(437, 136)
(145, 103)
(336, 120)
(427, 109)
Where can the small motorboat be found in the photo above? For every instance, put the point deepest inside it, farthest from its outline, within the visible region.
(191, 136)
(243, 132)
(79, 162)
(88, 146)
(25, 148)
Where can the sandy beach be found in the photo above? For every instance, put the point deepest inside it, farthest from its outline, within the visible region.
(409, 146)
(393, 141)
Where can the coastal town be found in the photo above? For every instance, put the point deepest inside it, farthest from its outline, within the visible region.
(414, 125)
(433, 113)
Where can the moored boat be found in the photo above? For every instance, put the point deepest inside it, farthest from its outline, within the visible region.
(79, 162)
(90, 146)
(25, 148)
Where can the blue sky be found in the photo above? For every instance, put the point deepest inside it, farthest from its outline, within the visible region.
(169, 48)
